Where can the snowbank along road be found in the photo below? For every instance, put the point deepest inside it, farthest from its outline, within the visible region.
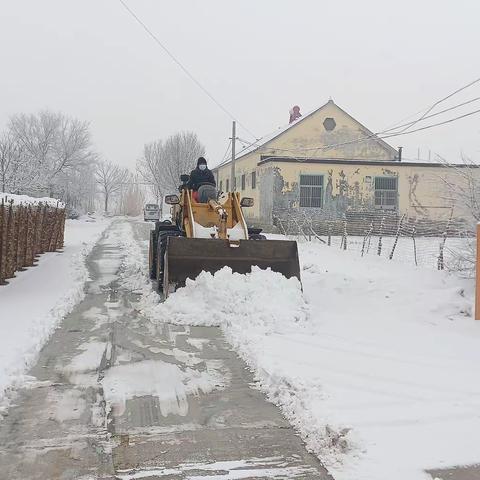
(115, 395)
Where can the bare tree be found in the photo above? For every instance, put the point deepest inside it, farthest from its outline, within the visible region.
(463, 185)
(181, 152)
(162, 163)
(111, 179)
(150, 166)
(462, 190)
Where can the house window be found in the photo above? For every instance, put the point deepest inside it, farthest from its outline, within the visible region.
(227, 185)
(254, 180)
(220, 186)
(311, 191)
(234, 183)
(386, 193)
(243, 182)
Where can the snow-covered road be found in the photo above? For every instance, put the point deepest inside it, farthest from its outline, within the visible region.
(114, 395)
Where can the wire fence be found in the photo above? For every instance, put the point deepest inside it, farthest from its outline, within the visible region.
(392, 235)
(27, 231)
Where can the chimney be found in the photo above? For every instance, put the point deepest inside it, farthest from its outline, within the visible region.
(400, 153)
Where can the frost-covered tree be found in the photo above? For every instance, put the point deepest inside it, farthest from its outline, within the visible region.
(13, 170)
(54, 147)
(78, 188)
(49, 153)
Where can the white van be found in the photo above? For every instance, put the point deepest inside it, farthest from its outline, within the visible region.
(151, 212)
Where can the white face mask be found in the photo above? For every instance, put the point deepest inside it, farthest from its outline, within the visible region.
(202, 166)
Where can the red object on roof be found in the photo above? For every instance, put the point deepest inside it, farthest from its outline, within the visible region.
(295, 114)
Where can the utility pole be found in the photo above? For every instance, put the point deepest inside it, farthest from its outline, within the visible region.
(232, 168)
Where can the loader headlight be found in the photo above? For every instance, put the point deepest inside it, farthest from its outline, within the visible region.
(172, 199)
(246, 202)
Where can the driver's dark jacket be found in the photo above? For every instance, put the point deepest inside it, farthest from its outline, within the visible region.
(199, 177)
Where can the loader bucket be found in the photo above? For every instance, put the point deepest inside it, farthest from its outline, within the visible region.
(188, 257)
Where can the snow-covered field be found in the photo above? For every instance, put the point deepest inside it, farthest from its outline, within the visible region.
(376, 363)
(35, 301)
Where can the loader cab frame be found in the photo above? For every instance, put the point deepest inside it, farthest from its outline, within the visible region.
(208, 236)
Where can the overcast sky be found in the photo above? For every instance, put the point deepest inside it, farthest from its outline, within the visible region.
(380, 60)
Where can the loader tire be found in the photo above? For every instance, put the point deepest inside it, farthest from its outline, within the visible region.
(152, 256)
(160, 259)
(257, 236)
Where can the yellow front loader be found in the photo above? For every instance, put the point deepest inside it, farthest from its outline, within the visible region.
(208, 235)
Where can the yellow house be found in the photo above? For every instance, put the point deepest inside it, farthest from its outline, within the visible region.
(329, 164)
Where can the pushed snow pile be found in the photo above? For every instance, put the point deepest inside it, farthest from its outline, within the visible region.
(261, 298)
(26, 200)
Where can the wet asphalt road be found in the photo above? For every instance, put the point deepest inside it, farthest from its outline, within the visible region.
(76, 419)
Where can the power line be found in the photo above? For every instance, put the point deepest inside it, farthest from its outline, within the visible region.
(410, 124)
(184, 69)
(433, 115)
(397, 124)
(225, 155)
(440, 101)
(381, 135)
(433, 125)
(225, 158)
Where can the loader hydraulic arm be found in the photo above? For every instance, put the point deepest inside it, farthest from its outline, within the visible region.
(222, 218)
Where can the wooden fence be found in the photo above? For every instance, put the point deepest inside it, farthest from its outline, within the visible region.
(27, 231)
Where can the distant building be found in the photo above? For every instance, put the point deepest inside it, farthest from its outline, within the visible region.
(318, 164)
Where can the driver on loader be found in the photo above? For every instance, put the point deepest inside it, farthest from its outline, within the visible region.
(202, 182)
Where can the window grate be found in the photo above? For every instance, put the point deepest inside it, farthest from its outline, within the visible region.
(385, 183)
(311, 191)
(386, 193)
